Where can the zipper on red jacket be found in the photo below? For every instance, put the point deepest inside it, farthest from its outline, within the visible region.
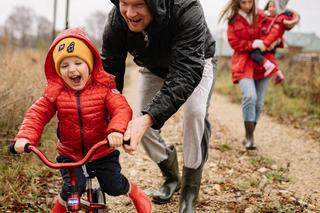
(81, 124)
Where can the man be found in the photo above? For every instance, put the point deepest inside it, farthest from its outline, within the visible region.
(170, 40)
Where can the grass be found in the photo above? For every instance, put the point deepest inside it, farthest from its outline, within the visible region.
(21, 84)
(21, 173)
(223, 147)
(260, 161)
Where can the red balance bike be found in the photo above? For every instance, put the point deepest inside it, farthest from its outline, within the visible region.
(95, 201)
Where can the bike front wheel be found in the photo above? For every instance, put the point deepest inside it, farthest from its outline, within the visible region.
(99, 197)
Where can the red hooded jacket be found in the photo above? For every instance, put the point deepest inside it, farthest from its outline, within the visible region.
(273, 28)
(85, 117)
(241, 36)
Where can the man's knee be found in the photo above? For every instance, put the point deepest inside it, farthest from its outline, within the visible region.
(197, 112)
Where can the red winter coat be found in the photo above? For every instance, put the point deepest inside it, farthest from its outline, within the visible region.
(277, 29)
(241, 36)
(84, 117)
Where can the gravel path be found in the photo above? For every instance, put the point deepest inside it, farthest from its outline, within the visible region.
(284, 144)
(283, 173)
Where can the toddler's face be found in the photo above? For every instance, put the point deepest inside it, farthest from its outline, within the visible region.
(272, 8)
(75, 72)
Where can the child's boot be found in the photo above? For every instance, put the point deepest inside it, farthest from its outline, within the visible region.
(58, 208)
(269, 67)
(279, 78)
(140, 200)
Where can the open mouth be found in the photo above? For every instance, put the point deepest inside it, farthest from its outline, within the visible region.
(76, 79)
(135, 21)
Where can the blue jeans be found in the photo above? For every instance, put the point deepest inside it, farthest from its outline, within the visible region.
(253, 93)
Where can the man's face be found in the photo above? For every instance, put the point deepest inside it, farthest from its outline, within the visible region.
(136, 13)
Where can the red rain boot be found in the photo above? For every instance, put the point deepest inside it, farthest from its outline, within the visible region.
(58, 208)
(279, 78)
(140, 200)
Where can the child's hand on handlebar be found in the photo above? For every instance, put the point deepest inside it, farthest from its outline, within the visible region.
(20, 144)
(115, 139)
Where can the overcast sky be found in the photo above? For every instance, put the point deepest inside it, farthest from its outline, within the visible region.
(81, 9)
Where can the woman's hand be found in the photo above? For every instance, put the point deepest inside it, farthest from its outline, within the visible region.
(20, 144)
(258, 44)
(115, 139)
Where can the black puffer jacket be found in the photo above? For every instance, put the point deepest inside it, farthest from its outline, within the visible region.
(173, 47)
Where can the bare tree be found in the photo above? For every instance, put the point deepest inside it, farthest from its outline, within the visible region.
(94, 26)
(43, 32)
(20, 24)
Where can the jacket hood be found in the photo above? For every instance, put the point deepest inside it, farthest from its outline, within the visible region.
(160, 10)
(55, 83)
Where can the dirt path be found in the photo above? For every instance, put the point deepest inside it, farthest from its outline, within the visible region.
(282, 175)
(284, 144)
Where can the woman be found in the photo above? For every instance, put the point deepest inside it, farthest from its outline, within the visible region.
(244, 27)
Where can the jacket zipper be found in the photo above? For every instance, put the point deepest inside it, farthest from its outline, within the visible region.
(81, 124)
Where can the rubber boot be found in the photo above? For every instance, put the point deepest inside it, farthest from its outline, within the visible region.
(191, 179)
(58, 208)
(279, 78)
(140, 200)
(170, 171)
(249, 141)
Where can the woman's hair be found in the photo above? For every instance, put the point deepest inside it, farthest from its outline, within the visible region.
(231, 11)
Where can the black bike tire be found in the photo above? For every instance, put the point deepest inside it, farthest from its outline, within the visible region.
(99, 197)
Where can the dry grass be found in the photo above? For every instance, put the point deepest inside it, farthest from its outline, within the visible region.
(22, 80)
(302, 80)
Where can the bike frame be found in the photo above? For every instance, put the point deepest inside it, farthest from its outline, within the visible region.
(74, 203)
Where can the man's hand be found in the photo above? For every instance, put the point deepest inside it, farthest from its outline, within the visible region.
(115, 139)
(136, 129)
(20, 144)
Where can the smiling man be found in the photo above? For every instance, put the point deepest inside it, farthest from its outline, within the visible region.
(170, 41)
(136, 14)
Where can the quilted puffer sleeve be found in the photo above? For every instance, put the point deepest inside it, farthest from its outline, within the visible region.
(119, 110)
(37, 116)
(276, 32)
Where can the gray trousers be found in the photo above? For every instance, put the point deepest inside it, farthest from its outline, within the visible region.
(196, 126)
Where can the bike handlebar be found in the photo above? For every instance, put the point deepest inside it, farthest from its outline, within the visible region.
(31, 148)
